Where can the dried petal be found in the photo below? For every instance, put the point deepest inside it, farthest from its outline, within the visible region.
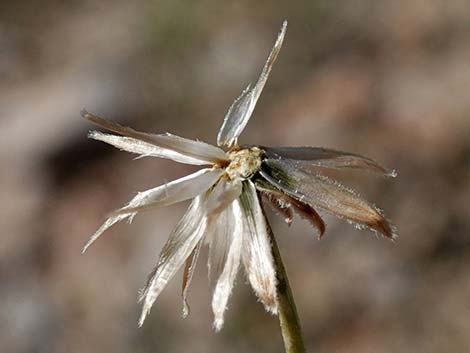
(218, 237)
(256, 254)
(325, 158)
(319, 191)
(176, 191)
(224, 259)
(189, 267)
(308, 213)
(222, 195)
(278, 205)
(143, 149)
(240, 112)
(106, 225)
(181, 243)
(195, 150)
(287, 202)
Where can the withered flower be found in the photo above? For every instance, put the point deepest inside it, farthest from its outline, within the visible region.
(226, 212)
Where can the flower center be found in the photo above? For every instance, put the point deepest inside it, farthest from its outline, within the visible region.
(244, 162)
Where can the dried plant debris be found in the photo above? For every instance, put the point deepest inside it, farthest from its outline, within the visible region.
(226, 210)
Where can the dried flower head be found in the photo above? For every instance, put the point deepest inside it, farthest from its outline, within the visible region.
(226, 211)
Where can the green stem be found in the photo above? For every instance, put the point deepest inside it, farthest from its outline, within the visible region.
(288, 317)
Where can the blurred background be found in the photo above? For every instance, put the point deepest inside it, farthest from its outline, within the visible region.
(386, 79)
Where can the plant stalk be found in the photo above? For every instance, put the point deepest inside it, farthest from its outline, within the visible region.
(288, 317)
